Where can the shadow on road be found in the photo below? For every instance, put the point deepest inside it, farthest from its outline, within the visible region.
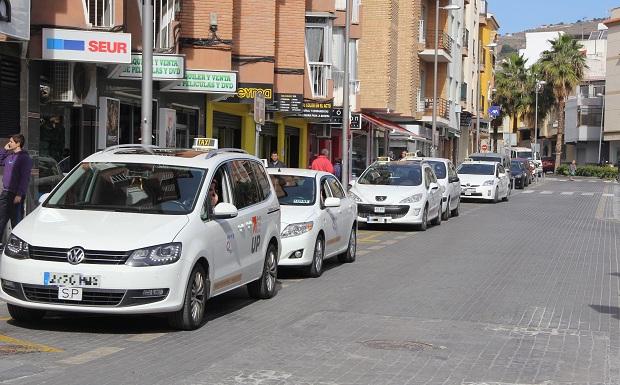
(616, 274)
(612, 310)
(298, 272)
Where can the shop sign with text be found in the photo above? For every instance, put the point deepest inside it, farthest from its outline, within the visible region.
(207, 82)
(289, 102)
(165, 67)
(86, 46)
(319, 110)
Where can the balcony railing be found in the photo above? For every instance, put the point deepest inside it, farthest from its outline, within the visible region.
(422, 32)
(420, 100)
(444, 42)
(354, 87)
(443, 107)
(319, 74)
(100, 13)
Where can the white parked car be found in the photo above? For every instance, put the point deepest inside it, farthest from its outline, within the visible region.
(318, 219)
(450, 183)
(138, 229)
(484, 180)
(404, 191)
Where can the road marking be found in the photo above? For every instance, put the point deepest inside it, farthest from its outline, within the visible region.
(587, 194)
(362, 252)
(592, 181)
(390, 242)
(527, 192)
(15, 344)
(146, 337)
(370, 238)
(546, 192)
(567, 193)
(608, 195)
(5, 318)
(91, 355)
(376, 247)
(401, 237)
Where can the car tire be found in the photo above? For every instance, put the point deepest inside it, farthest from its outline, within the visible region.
(455, 212)
(349, 255)
(265, 286)
(192, 315)
(505, 199)
(424, 225)
(446, 216)
(315, 269)
(496, 196)
(437, 220)
(23, 314)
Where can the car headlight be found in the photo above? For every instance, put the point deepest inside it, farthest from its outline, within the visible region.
(155, 255)
(295, 229)
(16, 248)
(412, 199)
(489, 182)
(354, 197)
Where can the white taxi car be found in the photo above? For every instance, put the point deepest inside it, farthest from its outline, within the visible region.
(137, 229)
(318, 219)
(450, 184)
(404, 191)
(484, 180)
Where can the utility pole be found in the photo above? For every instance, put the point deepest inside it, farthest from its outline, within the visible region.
(147, 71)
(434, 124)
(346, 109)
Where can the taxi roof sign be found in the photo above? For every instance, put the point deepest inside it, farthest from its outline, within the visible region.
(383, 159)
(205, 144)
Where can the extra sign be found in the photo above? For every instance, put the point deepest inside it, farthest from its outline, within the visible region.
(86, 46)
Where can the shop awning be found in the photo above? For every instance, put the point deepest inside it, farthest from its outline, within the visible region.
(386, 124)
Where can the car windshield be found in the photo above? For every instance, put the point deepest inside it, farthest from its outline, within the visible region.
(487, 158)
(129, 187)
(392, 175)
(516, 166)
(294, 190)
(524, 154)
(476, 169)
(439, 167)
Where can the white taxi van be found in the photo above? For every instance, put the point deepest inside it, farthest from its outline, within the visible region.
(141, 229)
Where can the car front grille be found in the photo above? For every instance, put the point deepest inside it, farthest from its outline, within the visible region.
(90, 297)
(393, 211)
(471, 185)
(102, 257)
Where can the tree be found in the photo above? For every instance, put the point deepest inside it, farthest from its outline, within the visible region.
(510, 82)
(546, 98)
(563, 67)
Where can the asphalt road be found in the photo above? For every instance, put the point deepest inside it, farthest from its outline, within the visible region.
(520, 292)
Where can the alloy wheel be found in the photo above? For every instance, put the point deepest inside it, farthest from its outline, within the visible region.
(197, 299)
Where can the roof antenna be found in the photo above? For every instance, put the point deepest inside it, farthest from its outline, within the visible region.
(279, 169)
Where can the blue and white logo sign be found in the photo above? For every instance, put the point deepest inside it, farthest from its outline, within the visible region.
(495, 111)
(86, 46)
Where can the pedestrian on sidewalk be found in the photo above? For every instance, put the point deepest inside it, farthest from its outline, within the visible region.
(572, 169)
(322, 163)
(274, 162)
(17, 168)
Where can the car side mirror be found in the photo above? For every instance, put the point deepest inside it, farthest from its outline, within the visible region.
(332, 202)
(454, 179)
(225, 211)
(43, 198)
(433, 186)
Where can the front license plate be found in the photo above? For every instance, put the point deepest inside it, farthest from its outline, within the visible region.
(379, 219)
(70, 293)
(379, 210)
(71, 279)
(467, 192)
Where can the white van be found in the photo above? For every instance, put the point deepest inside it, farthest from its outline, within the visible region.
(527, 153)
(136, 229)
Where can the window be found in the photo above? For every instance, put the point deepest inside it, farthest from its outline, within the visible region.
(293, 190)
(584, 90)
(337, 189)
(325, 192)
(261, 177)
(392, 175)
(245, 187)
(217, 192)
(427, 177)
(439, 168)
(451, 171)
(163, 18)
(100, 13)
(318, 53)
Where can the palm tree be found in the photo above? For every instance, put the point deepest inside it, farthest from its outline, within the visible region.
(563, 67)
(510, 82)
(546, 98)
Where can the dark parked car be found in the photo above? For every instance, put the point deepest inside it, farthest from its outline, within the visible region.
(518, 173)
(527, 169)
(548, 163)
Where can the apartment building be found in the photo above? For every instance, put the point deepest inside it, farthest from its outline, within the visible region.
(611, 133)
(584, 110)
(487, 55)
(469, 83)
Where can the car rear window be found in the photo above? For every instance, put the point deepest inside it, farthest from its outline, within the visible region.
(294, 190)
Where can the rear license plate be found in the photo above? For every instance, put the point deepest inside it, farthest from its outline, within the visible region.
(379, 219)
(71, 279)
(379, 210)
(70, 293)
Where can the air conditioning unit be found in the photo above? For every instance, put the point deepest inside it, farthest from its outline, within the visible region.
(324, 132)
(74, 83)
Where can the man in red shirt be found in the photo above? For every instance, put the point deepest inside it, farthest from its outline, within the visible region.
(322, 163)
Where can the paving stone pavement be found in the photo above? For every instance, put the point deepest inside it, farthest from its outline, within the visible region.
(520, 292)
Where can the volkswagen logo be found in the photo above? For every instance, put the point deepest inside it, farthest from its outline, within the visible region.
(75, 255)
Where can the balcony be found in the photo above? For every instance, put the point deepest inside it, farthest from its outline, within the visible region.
(443, 108)
(319, 74)
(100, 13)
(445, 44)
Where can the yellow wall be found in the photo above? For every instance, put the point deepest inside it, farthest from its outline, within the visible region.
(487, 76)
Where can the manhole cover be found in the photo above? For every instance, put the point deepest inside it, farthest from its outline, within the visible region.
(412, 346)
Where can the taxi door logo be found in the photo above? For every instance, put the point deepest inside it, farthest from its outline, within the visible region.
(255, 234)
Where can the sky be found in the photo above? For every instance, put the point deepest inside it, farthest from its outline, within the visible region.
(519, 15)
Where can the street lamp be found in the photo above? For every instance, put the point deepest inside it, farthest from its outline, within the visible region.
(539, 86)
(490, 45)
(451, 7)
(600, 138)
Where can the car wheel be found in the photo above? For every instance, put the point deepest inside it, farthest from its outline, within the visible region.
(265, 286)
(349, 255)
(316, 266)
(424, 225)
(505, 199)
(446, 216)
(437, 220)
(455, 212)
(22, 314)
(496, 196)
(191, 315)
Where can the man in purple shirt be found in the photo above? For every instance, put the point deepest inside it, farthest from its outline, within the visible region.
(17, 168)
